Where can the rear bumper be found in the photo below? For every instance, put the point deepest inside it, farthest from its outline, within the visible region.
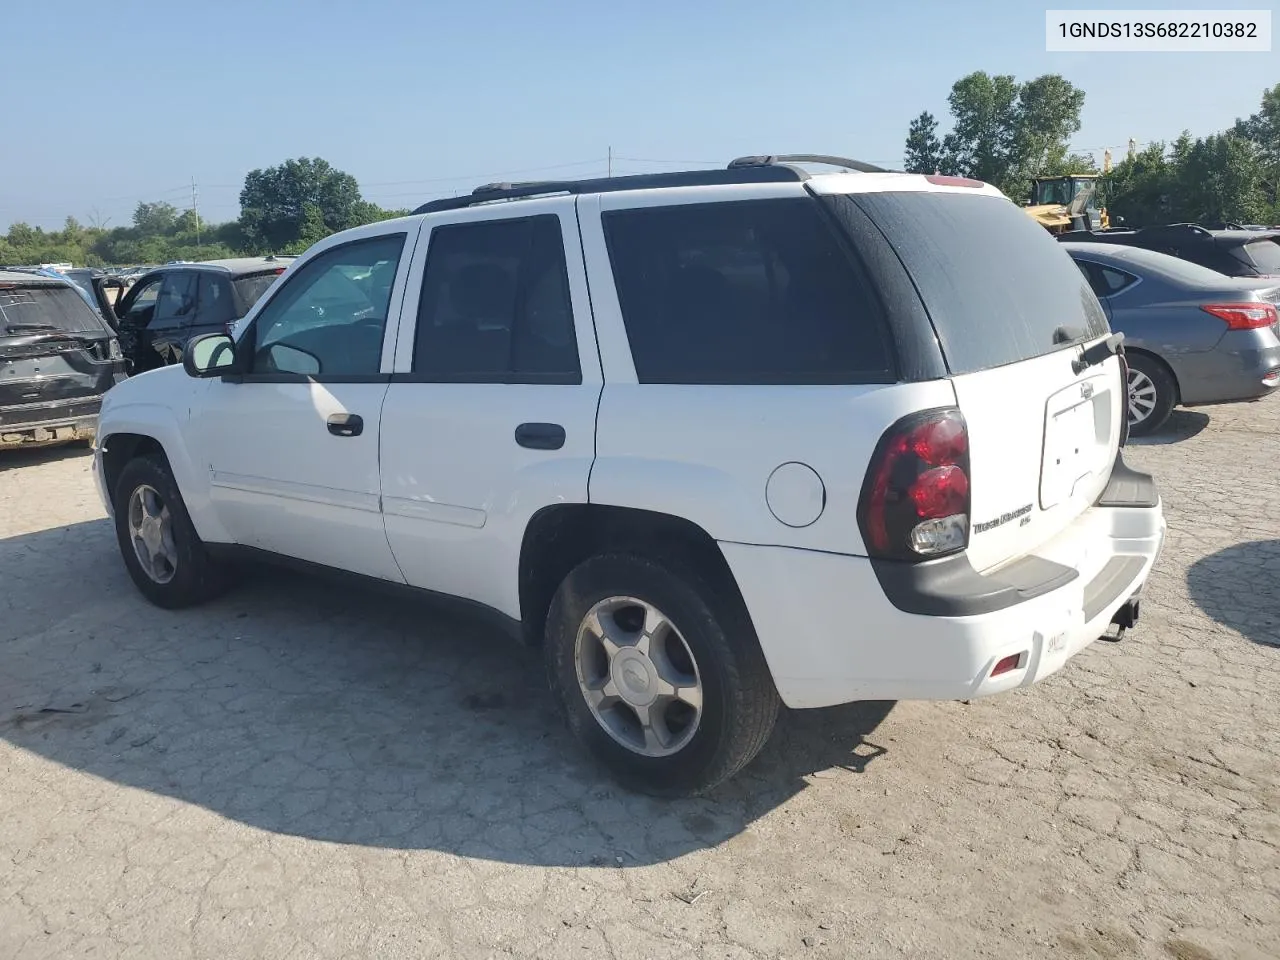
(1244, 366)
(831, 634)
(38, 424)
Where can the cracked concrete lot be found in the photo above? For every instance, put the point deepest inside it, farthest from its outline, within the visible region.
(297, 771)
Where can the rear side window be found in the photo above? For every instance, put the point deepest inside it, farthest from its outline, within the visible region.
(999, 289)
(1105, 281)
(177, 301)
(743, 292)
(250, 288)
(495, 305)
(39, 309)
(216, 304)
(1262, 254)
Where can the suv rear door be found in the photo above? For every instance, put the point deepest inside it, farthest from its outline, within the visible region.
(1011, 312)
(491, 411)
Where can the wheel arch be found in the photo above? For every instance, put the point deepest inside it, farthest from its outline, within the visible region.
(130, 432)
(560, 536)
(1163, 363)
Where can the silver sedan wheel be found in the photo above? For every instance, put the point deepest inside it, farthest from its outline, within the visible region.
(151, 532)
(638, 676)
(1142, 396)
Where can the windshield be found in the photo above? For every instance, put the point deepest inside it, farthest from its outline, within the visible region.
(999, 289)
(29, 309)
(1263, 254)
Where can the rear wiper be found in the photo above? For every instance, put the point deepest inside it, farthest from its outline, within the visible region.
(1098, 353)
(33, 327)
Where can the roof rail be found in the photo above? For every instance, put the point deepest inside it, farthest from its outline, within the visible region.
(787, 158)
(1183, 227)
(490, 192)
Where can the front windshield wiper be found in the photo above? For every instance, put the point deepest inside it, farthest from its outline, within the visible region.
(32, 327)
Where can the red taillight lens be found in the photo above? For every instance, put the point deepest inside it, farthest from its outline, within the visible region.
(915, 500)
(1243, 316)
(279, 270)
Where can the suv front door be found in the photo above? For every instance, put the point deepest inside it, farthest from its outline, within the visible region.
(291, 444)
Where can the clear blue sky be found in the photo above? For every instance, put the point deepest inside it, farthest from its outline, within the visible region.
(422, 99)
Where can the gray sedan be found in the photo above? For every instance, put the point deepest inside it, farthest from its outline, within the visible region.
(1191, 336)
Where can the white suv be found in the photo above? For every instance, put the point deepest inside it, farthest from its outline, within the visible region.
(714, 440)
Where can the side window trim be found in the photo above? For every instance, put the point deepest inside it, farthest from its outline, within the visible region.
(247, 333)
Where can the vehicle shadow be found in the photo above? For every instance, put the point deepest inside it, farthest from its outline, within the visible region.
(31, 456)
(1236, 586)
(346, 716)
(1181, 425)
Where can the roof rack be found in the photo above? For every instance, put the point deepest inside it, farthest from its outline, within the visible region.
(1193, 228)
(790, 158)
(762, 169)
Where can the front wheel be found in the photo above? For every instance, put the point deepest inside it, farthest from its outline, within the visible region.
(160, 547)
(658, 675)
(1151, 395)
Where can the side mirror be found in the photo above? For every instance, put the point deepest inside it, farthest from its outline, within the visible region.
(209, 355)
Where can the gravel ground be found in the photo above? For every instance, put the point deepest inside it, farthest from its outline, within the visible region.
(294, 772)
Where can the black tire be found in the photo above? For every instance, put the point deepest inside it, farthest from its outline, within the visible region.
(740, 703)
(1166, 393)
(197, 577)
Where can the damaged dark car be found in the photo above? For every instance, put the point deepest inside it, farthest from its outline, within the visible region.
(172, 304)
(57, 358)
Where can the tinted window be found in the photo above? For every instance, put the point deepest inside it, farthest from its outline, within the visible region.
(143, 304)
(177, 300)
(1263, 254)
(495, 305)
(216, 304)
(1105, 281)
(250, 287)
(34, 309)
(745, 292)
(330, 317)
(997, 286)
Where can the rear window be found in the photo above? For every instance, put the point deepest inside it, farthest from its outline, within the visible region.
(250, 288)
(39, 309)
(743, 292)
(999, 289)
(1262, 254)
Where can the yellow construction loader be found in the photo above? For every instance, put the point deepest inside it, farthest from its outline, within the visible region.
(1067, 203)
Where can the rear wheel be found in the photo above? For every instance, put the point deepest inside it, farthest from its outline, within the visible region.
(658, 676)
(1152, 394)
(160, 547)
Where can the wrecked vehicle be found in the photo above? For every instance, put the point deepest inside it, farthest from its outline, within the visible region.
(170, 305)
(57, 358)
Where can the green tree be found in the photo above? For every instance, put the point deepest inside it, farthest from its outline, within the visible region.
(1263, 130)
(1006, 132)
(1142, 188)
(924, 149)
(1221, 178)
(155, 219)
(273, 202)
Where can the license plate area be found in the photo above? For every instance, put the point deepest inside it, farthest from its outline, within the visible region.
(1077, 427)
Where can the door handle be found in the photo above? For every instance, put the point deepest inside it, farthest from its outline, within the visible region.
(540, 436)
(345, 424)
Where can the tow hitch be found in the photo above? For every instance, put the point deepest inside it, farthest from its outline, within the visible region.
(1122, 620)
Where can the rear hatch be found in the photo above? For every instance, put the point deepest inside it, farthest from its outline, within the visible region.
(53, 346)
(1012, 315)
(1262, 255)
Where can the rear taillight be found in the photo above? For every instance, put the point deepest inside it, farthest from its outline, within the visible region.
(1243, 316)
(915, 499)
